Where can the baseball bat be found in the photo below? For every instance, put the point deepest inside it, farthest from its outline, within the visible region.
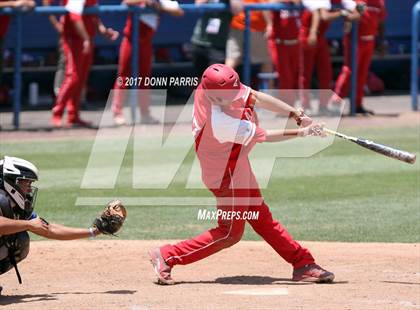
(376, 147)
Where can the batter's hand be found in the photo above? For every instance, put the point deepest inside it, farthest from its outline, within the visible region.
(302, 119)
(315, 130)
(38, 226)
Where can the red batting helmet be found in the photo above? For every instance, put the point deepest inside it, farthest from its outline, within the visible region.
(223, 82)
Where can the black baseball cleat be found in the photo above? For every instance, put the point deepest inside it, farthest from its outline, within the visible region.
(79, 123)
(362, 110)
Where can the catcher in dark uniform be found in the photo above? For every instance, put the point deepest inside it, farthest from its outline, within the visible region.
(17, 216)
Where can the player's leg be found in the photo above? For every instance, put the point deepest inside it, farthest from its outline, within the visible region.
(324, 72)
(272, 48)
(343, 81)
(145, 70)
(305, 72)
(234, 45)
(66, 95)
(124, 71)
(285, 72)
(226, 234)
(304, 267)
(120, 96)
(1, 59)
(61, 68)
(366, 49)
(259, 54)
(85, 63)
(279, 238)
(294, 52)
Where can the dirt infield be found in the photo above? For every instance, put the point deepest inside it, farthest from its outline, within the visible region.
(117, 275)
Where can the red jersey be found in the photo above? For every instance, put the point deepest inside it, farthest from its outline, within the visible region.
(75, 8)
(286, 24)
(306, 20)
(321, 4)
(4, 24)
(373, 15)
(306, 17)
(224, 136)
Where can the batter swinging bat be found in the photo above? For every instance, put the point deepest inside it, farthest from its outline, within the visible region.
(376, 147)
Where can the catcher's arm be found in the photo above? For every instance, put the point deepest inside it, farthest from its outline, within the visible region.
(61, 232)
(11, 226)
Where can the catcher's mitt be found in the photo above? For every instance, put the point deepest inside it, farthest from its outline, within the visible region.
(111, 219)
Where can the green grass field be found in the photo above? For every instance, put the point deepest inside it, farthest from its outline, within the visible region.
(343, 193)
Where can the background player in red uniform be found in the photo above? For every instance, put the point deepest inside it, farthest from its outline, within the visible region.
(225, 127)
(370, 26)
(147, 27)
(4, 25)
(316, 51)
(78, 33)
(284, 48)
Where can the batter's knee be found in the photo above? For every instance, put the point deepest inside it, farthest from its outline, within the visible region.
(231, 240)
(233, 236)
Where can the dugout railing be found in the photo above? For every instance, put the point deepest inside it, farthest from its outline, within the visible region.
(136, 11)
(415, 56)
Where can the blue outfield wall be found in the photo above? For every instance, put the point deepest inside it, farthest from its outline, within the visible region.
(38, 33)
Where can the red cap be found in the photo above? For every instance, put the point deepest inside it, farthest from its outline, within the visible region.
(222, 81)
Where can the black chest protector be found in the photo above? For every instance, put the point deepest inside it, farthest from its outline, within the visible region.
(13, 248)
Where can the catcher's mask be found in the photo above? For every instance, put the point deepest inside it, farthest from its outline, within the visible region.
(16, 177)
